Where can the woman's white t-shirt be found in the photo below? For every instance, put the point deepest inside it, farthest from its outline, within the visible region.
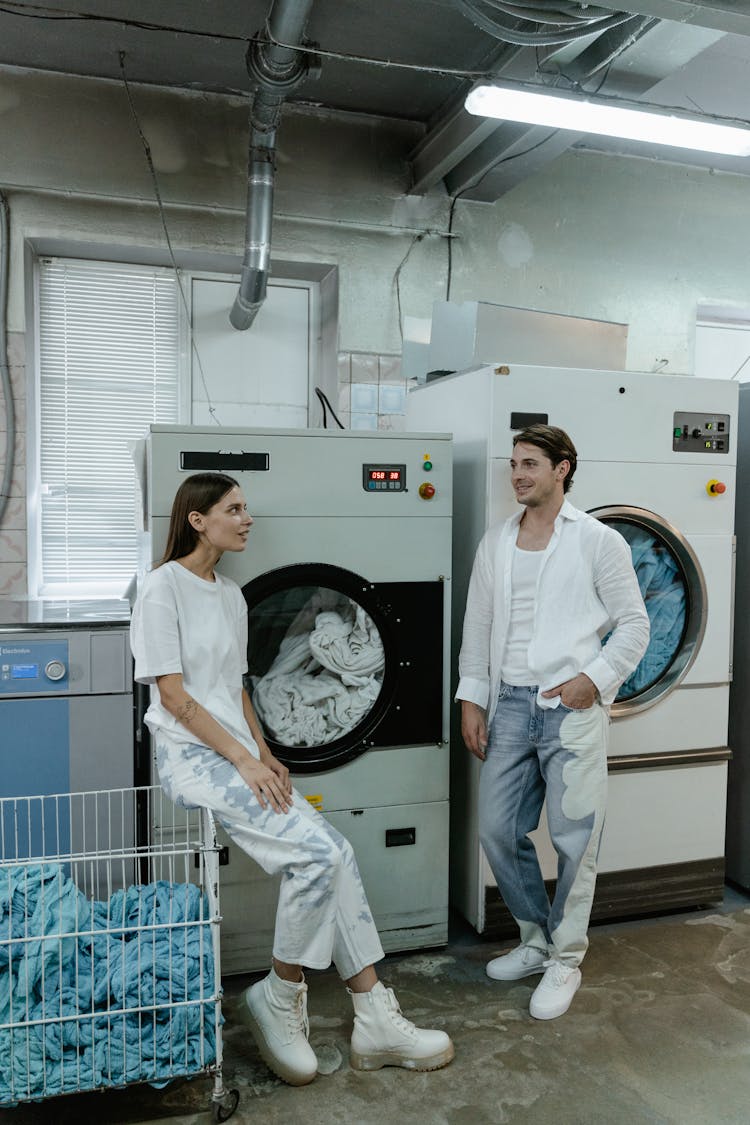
(183, 623)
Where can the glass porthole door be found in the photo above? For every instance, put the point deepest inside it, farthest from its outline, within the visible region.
(674, 593)
(328, 663)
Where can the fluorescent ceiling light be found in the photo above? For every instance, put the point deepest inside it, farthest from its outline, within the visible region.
(584, 115)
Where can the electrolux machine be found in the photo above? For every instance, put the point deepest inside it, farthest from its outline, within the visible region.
(66, 703)
(347, 580)
(657, 461)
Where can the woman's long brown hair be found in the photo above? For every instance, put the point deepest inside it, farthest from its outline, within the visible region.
(197, 493)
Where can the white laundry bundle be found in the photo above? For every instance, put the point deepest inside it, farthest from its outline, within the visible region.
(323, 681)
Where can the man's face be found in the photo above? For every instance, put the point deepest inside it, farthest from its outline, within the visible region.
(535, 480)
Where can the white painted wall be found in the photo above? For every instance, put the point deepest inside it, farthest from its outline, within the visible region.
(592, 235)
(626, 240)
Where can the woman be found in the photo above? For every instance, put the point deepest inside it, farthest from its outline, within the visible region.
(189, 639)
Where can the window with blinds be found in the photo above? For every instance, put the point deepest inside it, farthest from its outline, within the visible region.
(108, 366)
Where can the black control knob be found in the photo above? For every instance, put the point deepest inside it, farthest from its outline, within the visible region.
(697, 433)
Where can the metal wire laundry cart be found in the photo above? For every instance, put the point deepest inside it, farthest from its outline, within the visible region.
(110, 967)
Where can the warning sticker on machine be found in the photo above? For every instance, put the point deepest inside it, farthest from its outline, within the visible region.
(316, 800)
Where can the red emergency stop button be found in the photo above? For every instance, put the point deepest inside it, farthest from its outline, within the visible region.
(716, 487)
(427, 490)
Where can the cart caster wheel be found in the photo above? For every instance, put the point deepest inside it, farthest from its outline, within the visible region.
(223, 1110)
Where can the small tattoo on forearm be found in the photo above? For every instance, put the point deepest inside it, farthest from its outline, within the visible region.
(187, 712)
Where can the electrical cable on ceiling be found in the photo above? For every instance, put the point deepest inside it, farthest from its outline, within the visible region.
(574, 21)
(368, 60)
(475, 184)
(397, 281)
(341, 56)
(178, 278)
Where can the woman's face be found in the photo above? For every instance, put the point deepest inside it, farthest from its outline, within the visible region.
(226, 525)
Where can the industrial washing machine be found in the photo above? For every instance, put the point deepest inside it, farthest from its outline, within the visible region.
(66, 711)
(657, 460)
(347, 580)
(738, 794)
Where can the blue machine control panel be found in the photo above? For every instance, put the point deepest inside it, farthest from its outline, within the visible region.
(34, 667)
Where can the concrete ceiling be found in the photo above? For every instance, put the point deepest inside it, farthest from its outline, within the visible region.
(680, 53)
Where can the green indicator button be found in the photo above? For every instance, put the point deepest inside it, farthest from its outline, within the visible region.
(678, 432)
(427, 466)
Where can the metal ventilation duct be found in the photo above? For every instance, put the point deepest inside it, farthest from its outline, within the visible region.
(275, 71)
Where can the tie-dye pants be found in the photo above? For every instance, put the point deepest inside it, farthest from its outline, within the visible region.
(322, 914)
(533, 753)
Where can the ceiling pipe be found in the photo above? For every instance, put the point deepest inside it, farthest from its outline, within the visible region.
(274, 71)
(7, 390)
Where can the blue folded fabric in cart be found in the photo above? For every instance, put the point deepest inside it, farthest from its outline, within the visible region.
(100, 993)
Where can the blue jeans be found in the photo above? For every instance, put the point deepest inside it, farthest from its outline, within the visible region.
(561, 754)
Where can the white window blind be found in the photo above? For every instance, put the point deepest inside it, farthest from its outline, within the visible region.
(108, 363)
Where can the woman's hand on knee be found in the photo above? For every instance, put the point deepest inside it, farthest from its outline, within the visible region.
(264, 783)
(276, 767)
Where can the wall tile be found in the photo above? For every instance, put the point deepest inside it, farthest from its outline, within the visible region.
(365, 368)
(18, 382)
(392, 398)
(364, 398)
(12, 547)
(390, 368)
(345, 397)
(18, 480)
(16, 349)
(14, 518)
(12, 579)
(393, 423)
(364, 422)
(345, 367)
(19, 409)
(19, 444)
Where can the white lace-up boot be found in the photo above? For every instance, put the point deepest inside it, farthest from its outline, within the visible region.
(553, 995)
(275, 1010)
(382, 1036)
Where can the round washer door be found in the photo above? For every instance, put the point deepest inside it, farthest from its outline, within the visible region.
(331, 666)
(674, 592)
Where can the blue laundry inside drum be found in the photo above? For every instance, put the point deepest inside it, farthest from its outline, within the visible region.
(665, 596)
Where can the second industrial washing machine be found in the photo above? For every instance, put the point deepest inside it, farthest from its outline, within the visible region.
(656, 460)
(347, 580)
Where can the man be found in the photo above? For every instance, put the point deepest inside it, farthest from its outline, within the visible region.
(535, 685)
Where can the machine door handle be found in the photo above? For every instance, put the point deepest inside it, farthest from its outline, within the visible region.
(398, 837)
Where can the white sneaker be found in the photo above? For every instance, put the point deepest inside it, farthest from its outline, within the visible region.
(275, 1010)
(523, 961)
(552, 996)
(382, 1036)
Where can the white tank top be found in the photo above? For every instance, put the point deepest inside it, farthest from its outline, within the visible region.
(524, 577)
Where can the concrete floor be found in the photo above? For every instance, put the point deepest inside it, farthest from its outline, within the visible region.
(659, 1033)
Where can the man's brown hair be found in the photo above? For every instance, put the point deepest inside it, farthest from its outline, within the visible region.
(554, 444)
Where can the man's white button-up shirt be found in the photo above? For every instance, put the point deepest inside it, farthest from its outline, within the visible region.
(586, 587)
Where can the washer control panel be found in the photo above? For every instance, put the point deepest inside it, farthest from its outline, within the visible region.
(384, 478)
(700, 433)
(33, 667)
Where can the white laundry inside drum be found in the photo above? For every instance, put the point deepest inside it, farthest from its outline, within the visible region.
(326, 668)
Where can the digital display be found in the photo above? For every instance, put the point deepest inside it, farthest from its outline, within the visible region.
(384, 478)
(385, 474)
(24, 671)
